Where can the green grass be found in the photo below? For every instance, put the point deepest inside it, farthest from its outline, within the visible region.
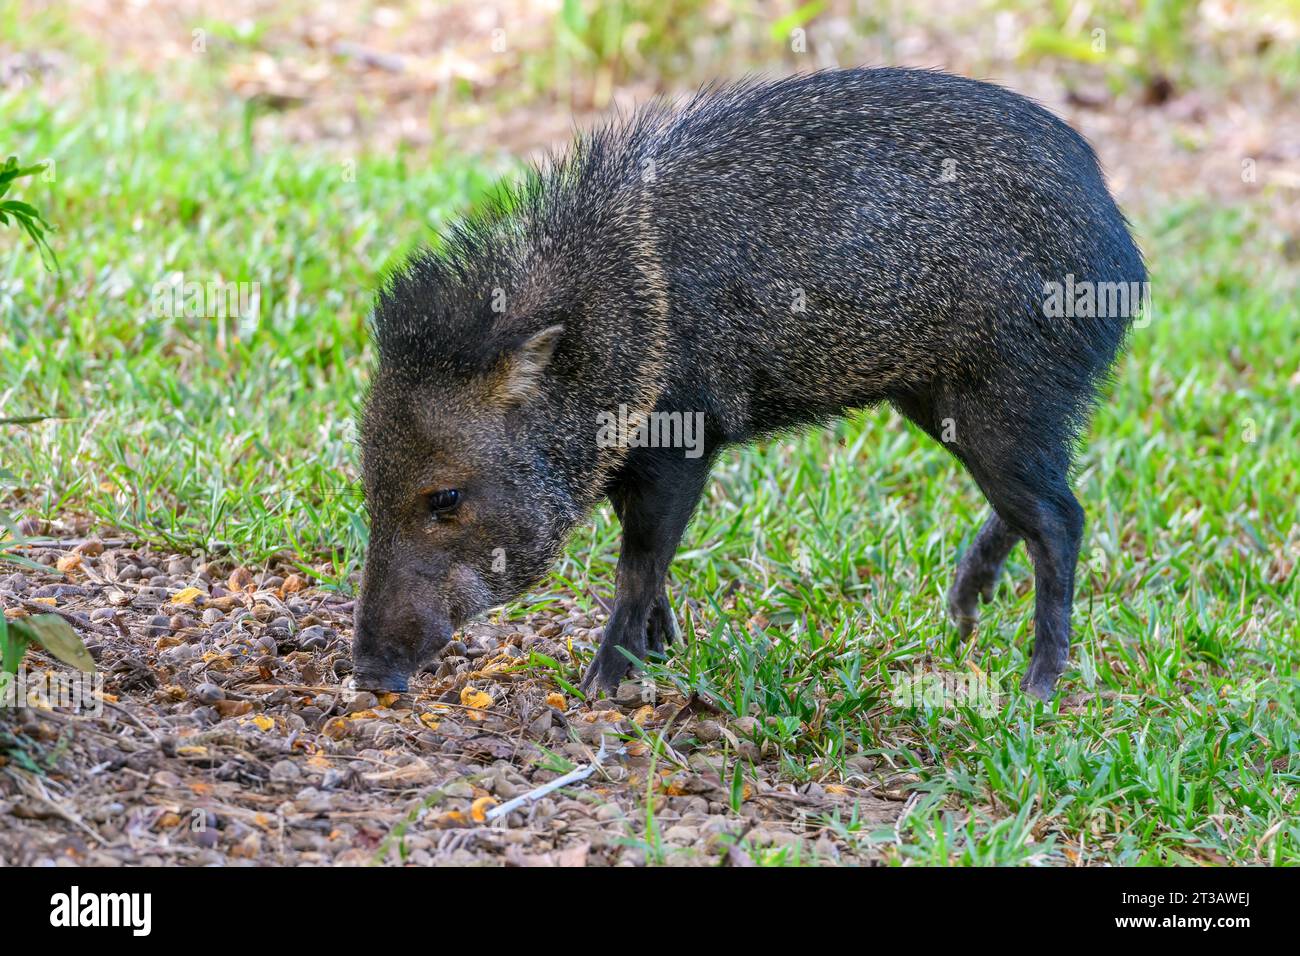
(816, 570)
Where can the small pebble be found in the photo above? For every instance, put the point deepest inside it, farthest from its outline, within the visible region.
(208, 693)
(285, 771)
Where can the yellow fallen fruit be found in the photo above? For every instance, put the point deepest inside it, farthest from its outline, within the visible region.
(479, 808)
(556, 700)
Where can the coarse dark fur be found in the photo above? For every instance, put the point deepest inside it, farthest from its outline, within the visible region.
(770, 255)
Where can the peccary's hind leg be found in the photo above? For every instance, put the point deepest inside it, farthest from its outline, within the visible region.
(1053, 532)
(1029, 490)
(978, 570)
(654, 501)
(1017, 447)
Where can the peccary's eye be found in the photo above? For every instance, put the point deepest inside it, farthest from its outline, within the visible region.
(443, 502)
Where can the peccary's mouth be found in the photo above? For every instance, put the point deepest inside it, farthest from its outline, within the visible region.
(392, 682)
(388, 666)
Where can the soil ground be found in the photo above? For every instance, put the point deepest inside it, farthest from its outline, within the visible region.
(228, 734)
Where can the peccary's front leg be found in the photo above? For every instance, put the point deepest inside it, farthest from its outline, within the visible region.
(654, 500)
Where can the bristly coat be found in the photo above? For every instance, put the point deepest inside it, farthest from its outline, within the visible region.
(768, 255)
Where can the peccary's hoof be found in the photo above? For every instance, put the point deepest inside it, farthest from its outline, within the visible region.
(1039, 685)
(605, 672)
(661, 627)
(963, 606)
(965, 623)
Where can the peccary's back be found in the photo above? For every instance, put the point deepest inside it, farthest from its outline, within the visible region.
(831, 240)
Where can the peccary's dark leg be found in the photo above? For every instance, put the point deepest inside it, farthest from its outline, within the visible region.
(654, 500)
(978, 570)
(1016, 444)
(1036, 503)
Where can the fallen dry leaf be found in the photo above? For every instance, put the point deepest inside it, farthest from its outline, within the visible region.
(477, 700)
(336, 728)
(186, 596)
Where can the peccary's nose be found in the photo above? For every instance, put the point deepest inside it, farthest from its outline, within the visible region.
(388, 680)
(377, 664)
(376, 667)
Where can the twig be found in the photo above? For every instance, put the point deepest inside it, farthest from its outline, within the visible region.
(36, 607)
(573, 776)
(134, 719)
(64, 543)
(32, 786)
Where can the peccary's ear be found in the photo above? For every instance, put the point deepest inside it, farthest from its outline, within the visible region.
(518, 377)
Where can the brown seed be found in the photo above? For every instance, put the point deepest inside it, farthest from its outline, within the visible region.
(233, 708)
(241, 579)
(91, 548)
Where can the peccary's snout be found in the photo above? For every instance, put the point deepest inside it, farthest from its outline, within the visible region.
(397, 631)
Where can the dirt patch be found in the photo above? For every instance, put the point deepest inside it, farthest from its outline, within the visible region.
(228, 734)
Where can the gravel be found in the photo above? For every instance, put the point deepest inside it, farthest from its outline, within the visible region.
(229, 737)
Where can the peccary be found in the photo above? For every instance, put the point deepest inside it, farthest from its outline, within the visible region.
(765, 256)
